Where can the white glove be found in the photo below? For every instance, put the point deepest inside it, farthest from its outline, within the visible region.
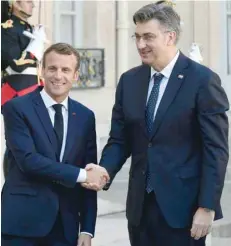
(36, 45)
(195, 53)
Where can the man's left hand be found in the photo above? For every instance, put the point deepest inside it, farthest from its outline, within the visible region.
(84, 240)
(202, 223)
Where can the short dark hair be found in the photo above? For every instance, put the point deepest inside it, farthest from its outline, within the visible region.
(163, 12)
(62, 49)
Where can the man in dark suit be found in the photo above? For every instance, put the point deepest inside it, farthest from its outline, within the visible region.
(169, 116)
(50, 138)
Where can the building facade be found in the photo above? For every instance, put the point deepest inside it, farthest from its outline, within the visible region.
(108, 25)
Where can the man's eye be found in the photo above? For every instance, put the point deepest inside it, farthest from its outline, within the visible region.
(149, 37)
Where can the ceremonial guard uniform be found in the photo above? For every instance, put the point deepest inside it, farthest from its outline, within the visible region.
(22, 49)
(19, 67)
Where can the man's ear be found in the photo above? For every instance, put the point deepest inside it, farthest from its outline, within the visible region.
(76, 76)
(171, 38)
(43, 72)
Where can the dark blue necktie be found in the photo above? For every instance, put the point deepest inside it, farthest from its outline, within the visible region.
(58, 125)
(149, 117)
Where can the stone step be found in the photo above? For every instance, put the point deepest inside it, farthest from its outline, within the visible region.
(228, 173)
(227, 187)
(102, 140)
(106, 207)
(216, 241)
(222, 228)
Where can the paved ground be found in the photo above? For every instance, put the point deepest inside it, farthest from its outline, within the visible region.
(111, 230)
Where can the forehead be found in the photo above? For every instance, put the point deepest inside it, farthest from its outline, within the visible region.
(151, 26)
(60, 60)
(25, 2)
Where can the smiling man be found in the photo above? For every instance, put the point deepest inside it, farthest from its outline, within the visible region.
(170, 117)
(50, 138)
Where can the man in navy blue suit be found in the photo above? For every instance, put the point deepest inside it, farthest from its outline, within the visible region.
(169, 116)
(50, 138)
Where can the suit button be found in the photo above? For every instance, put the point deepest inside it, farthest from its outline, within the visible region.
(143, 172)
(149, 145)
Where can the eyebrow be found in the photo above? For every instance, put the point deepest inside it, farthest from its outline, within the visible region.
(147, 33)
(53, 66)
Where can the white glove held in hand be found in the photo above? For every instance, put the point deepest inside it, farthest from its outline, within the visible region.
(195, 53)
(36, 45)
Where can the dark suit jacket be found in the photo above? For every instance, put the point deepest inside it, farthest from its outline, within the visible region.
(188, 149)
(38, 186)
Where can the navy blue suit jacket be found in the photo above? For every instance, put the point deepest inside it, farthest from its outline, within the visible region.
(188, 149)
(38, 186)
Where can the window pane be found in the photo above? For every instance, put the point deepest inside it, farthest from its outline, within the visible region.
(66, 28)
(66, 6)
(229, 42)
(91, 69)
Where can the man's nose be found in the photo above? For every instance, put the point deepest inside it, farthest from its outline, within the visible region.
(58, 75)
(141, 44)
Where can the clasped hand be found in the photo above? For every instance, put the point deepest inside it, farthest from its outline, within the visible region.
(97, 177)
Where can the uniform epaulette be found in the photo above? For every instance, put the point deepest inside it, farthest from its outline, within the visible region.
(7, 24)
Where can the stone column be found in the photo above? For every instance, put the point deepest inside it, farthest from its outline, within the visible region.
(78, 38)
(122, 27)
(201, 31)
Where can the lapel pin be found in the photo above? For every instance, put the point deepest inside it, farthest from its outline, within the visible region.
(73, 113)
(180, 76)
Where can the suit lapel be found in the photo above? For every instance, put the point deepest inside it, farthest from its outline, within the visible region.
(142, 80)
(71, 128)
(44, 118)
(175, 81)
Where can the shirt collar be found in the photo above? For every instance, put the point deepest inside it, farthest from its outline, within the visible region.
(168, 69)
(49, 101)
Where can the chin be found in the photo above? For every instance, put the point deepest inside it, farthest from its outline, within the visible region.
(146, 61)
(29, 14)
(58, 92)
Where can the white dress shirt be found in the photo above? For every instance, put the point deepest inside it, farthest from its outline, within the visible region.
(49, 102)
(163, 84)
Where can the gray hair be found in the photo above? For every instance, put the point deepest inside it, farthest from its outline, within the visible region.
(164, 13)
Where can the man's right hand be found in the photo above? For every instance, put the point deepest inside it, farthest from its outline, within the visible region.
(97, 177)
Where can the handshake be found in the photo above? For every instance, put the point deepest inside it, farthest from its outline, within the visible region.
(97, 177)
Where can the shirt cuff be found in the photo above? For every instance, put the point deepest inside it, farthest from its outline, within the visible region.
(83, 232)
(82, 176)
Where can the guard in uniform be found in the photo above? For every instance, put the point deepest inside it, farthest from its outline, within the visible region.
(22, 50)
